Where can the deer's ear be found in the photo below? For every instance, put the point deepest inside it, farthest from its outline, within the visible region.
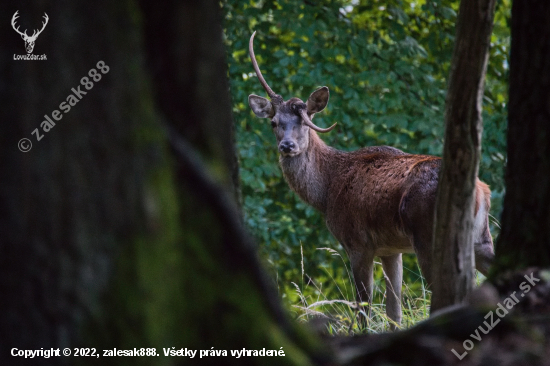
(261, 106)
(318, 100)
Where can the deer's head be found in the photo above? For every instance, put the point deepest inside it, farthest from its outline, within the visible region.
(291, 119)
(29, 40)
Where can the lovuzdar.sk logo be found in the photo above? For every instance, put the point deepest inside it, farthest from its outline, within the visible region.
(29, 40)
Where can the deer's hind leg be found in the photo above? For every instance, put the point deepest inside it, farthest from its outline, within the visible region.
(483, 242)
(423, 249)
(416, 211)
(393, 274)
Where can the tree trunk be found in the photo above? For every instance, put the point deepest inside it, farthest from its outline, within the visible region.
(453, 261)
(525, 235)
(111, 239)
(187, 61)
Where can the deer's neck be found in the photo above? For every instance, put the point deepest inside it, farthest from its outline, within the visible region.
(308, 174)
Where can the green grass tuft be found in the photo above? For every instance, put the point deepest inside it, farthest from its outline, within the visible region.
(336, 306)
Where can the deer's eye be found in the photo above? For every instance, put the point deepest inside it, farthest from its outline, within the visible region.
(273, 124)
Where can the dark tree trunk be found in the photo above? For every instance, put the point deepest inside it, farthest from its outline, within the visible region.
(453, 262)
(114, 232)
(89, 190)
(525, 235)
(187, 61)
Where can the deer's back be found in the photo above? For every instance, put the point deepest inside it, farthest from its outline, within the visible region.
(369, 190)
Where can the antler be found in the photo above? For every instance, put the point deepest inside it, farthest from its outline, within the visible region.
(276, 99)
(43, 26)
(307, 121)
(15, 16)
(36, 33)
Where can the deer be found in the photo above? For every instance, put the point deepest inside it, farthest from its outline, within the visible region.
(29, 40)
(377, 201)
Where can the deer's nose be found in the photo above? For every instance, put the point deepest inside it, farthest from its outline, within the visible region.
(286, 146)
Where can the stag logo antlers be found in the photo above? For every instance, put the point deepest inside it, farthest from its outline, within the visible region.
(29, 40)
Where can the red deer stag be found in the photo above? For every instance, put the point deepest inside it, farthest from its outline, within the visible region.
(377, 201)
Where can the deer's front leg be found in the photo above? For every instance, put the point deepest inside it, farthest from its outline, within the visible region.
(393, 274)
(362, 262)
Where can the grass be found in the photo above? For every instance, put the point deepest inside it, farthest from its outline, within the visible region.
(339, 311)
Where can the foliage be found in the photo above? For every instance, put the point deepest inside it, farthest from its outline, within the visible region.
(386, 65)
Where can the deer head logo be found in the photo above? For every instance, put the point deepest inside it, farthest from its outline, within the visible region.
(29, 40)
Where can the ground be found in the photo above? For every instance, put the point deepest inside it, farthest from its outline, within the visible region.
(518, 335)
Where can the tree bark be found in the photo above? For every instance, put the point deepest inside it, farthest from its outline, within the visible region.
(115, 233)
(453, 261)
(185, 59)
(525, 235)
